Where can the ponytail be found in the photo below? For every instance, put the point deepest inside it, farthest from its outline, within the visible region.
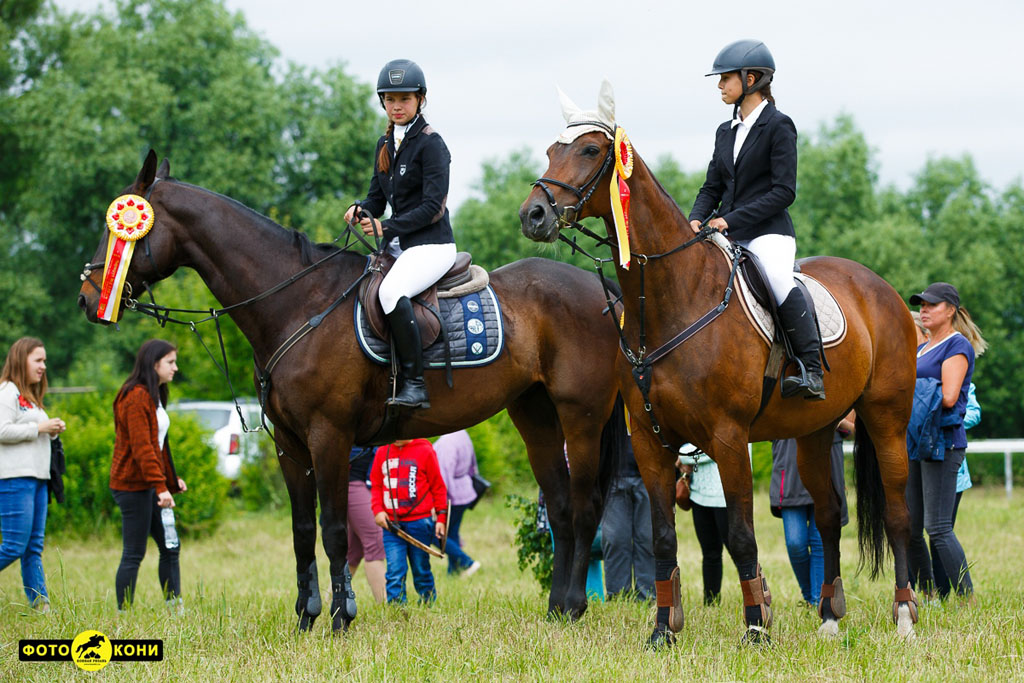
(963, 324)
(384, 159)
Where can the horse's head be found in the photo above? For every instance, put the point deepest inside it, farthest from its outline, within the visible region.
(575, 184)
(152, 256)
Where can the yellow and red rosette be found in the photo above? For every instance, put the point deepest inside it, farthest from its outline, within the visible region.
(129, 218)
(619, 192)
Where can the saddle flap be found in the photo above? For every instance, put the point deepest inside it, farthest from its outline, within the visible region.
(369, 297)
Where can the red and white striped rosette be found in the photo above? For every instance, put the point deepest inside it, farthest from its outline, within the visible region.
(129, 218)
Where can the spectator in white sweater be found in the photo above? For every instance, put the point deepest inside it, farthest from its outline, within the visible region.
(25, 434)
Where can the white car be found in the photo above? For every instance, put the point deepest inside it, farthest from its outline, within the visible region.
(233, 446)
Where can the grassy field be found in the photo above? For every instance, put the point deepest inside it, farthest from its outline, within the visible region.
(239, 625)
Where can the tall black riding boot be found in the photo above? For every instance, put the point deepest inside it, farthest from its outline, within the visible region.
(798, 321)
(410, 355)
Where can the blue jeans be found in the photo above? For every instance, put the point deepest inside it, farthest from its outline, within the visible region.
(803, 542)
(23, 503)
(457, 558)
(400, 555)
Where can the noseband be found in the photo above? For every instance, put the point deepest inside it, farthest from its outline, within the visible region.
(570, 215)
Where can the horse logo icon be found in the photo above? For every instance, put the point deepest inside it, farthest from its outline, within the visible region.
(91, 650)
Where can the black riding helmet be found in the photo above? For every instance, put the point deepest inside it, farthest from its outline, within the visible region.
(744, 56)
(401, 75)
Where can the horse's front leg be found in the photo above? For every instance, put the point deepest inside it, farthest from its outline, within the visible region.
(729, 450)
(657, 467)
(330, 449)
(302, 494)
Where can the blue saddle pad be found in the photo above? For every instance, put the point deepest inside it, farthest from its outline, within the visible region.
(475, 332)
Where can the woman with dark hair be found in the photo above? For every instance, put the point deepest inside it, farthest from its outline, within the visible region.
(946, 358)
(751, 181)
(142, 476)
(411, 175)
(25, 434)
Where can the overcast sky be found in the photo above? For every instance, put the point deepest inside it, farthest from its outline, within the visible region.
(921, 79)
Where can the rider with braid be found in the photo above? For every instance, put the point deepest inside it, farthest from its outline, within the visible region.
(410, 175)
(751, 181)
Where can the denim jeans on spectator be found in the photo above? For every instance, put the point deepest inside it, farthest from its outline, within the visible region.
(806, 555)
(401, 555)
(457, 557)
(23, 505)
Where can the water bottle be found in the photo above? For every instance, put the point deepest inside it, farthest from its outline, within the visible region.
(170, 533)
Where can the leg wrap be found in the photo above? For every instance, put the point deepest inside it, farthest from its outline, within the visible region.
(343, 599)
(756, 594)
(309, 593)
(670, 600)
(908, 596)
(833, 592)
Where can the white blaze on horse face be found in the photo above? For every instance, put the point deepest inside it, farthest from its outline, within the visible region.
(578, 119)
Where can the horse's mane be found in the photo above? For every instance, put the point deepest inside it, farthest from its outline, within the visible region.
(309, 251)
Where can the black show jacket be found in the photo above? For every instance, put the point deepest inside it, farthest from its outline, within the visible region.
(416, 187)
(752, 194)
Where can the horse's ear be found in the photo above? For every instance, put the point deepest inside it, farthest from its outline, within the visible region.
(569, 108)
(165, 169)
(147, 175)
(606, 103)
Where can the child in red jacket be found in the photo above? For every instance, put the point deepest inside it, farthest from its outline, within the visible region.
(406, 489)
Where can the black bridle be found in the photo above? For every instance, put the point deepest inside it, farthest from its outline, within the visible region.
(640, 359)
(583, 192)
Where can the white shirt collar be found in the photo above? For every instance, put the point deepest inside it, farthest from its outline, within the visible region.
(751, 117)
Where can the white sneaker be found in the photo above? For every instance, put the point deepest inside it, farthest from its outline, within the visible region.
(472, 569)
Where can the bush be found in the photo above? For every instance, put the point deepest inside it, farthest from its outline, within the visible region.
(89, 445)
(260, 483)
(501, 453)
(533, 545)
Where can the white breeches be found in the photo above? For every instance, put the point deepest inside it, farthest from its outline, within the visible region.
(777, 254)
(415, 270)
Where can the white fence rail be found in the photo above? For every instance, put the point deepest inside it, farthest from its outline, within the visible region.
(1005, 446)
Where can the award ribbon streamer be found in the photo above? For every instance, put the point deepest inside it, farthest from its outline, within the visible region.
(129, 219)
(619, 192)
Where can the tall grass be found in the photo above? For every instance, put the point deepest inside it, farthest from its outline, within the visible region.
(239, 625)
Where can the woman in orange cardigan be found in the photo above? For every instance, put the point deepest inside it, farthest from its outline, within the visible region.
(142, 476)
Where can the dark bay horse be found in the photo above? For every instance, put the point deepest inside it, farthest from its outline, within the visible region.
(326, 395)
(708, 390)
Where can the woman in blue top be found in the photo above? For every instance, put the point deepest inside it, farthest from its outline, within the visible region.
(948, 355)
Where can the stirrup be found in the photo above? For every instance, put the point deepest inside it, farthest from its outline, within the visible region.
(410, 397)
(801, 386)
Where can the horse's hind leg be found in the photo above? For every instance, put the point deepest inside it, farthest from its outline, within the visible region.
(534, 416)
(886, 422)
(302, 494)
(815, 465)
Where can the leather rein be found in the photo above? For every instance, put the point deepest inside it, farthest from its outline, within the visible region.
(640, 359)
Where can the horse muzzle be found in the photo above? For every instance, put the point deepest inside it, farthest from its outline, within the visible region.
(539, 222)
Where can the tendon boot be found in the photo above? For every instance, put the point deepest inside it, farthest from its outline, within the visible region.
(798, 322)
(406, 334)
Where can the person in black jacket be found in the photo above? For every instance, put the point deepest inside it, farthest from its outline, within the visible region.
(751, 181)
(410, 175)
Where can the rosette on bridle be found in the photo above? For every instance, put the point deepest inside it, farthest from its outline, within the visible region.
(619, 193)
(129, 218)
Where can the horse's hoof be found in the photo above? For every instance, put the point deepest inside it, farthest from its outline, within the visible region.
(662, 637)
(829, 629)
(756, 635)
(306, 621)
(904, 623)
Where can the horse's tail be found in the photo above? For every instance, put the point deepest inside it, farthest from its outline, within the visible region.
(870, 501)
(613, 436)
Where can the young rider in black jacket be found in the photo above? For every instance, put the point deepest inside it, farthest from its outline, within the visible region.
(410, 175)
(751, 181)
